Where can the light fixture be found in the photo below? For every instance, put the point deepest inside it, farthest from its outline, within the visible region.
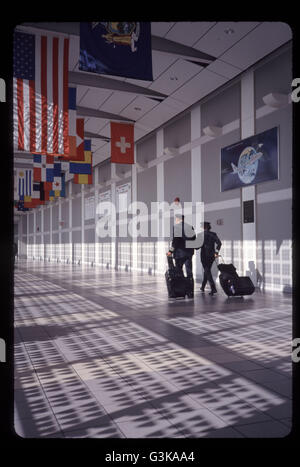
(229, 31)
(170, 151)
(212, 131)
(276, 100)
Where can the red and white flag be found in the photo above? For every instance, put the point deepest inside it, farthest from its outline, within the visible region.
(40, 106)
(122, 143)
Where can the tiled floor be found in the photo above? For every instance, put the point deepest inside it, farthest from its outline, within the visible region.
(105, 354)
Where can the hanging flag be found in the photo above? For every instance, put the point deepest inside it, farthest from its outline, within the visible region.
(40, 99)
(78, 154)
(117, 48)
(37, 196)
(83, 179)
(85, 176)
(122, 143)
(43, 168)
(72, 123)
(57, 187)
(19, 205)
(24, 181)
(85, 166)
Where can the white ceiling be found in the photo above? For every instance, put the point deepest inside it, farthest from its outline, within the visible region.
(182, 81)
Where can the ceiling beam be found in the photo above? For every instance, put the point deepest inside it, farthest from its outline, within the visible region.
(174, 48)
(88, 112)
(94, 80)
(88, 134)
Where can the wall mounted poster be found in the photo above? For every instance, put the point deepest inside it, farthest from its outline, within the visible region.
(250, 161)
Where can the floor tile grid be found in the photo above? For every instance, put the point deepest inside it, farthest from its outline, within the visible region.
(45, 388)
(32, 389)
(37, 374)
(203, 404)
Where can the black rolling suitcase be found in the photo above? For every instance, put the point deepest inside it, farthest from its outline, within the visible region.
(232, 284)
(177, 284)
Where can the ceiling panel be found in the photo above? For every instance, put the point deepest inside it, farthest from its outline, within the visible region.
(224, 69)
(175, 76)
(202, 84)
(161, 28)
(138, 107)
(94, 125)
(188, 32)
(158, 116)
(160, 62)
(80, 92)
(117, 102)
(257, 44)
(216, 40)
(94, 98)
(74, 53)
(175, 104)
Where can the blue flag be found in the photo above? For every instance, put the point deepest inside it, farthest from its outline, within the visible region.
(117, 48)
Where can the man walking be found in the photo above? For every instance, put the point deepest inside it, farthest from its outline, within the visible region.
(208, 255)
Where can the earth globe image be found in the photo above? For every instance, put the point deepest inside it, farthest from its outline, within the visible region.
(247, 165)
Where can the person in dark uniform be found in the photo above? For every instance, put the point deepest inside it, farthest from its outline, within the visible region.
(182, 255)
(208, 255)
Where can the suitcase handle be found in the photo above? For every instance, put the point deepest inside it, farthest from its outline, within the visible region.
(219, 256)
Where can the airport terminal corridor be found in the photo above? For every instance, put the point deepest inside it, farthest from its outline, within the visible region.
(130, 140)
(105, 354)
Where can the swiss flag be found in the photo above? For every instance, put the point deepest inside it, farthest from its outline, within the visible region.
(122, 143)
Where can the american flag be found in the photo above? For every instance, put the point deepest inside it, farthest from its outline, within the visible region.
(41, 120)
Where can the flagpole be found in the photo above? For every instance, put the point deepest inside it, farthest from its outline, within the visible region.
(114, 224)
(96, 198)
(70, 224)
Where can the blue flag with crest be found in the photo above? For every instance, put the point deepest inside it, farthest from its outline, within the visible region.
(116, 48)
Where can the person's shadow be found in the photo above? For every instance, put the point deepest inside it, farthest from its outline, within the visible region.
(254, 275)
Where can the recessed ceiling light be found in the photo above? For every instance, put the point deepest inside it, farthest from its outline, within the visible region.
(229, 31)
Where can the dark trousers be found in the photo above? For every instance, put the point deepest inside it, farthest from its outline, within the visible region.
(207, 264)
(187, 261)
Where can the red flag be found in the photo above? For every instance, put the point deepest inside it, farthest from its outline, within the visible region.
(122, 143)
(76, 154)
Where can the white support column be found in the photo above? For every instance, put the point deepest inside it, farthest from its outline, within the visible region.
(161, 249)
(27, 235)
(248, 193)
(96, 186)
(114, 226)
(70, 224)
(133, 200)
(51, 232)
(34, 234)
(83, 258)
(20, 234)
(59, 228)
(42, 232)
(196, 188)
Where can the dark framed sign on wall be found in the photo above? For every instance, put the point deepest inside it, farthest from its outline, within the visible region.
(251, 161)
